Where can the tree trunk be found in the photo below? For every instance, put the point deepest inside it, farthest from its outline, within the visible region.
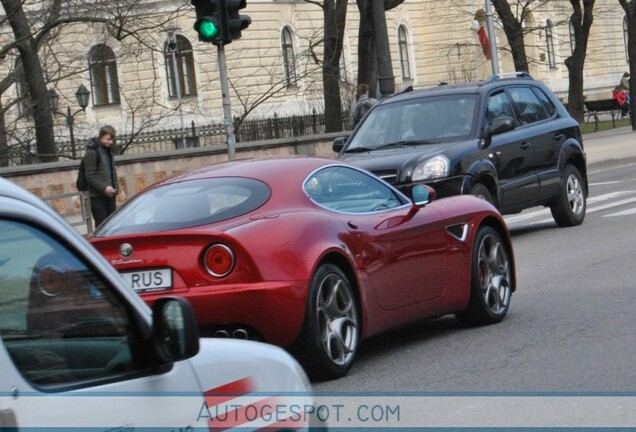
(335, 15)
(367, 56)
(34, 78)
(514, 33)
(4, 145)
(630, 11)
(581, 20)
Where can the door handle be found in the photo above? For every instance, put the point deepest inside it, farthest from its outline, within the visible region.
(558, 137)
(525, 145)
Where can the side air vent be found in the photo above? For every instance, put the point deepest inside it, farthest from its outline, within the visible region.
(459, 231)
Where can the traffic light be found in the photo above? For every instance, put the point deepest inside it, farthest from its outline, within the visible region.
(208, 24)
(235, 22)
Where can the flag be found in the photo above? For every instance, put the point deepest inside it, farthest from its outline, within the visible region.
(483, 40)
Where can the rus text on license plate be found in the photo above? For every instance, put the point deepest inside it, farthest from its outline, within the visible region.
(149, 280)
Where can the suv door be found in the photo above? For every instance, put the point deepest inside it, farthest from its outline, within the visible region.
(71, 340)
(512, 155)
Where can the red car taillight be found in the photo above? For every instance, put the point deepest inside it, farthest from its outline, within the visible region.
(219, 260)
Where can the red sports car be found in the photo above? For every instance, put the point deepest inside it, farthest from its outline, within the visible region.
(310, 254)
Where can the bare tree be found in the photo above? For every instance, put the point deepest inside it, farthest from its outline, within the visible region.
(629, 6)
(581, 21)
(367, 46)
(40, 27)
(334, 18)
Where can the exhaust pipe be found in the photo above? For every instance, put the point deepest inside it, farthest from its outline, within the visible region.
(240, 334)
(221, 334)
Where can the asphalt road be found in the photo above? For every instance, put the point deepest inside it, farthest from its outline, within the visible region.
(571, 323)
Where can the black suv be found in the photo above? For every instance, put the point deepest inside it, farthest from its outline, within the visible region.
(508, 140)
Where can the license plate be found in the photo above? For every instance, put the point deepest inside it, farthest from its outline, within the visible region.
(149, 280)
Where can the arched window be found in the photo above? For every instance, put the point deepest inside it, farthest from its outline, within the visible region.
(403, 49)
(549, 40)
(103, 72)
(289, 61)
(626, 38)
(180, 63)
(572, 38)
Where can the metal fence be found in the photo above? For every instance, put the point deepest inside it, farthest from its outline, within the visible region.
(192, 136)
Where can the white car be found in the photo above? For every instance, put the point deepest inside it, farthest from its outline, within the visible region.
(80, 349)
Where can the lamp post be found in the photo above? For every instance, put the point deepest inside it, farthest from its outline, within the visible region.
(82, 95)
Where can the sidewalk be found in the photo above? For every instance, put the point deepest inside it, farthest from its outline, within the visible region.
(610, 147)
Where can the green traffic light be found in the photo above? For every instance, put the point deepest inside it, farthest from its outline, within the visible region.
(208, 29)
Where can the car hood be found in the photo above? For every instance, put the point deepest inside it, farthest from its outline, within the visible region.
(258, 366)
(401, 158)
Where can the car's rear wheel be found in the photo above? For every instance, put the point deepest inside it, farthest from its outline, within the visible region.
(570, 205)
(491, 280)
(481, 191)
(328, 342)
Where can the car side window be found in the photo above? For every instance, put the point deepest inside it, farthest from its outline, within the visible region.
(499, 106)
(528, 105)
(348, 190)
(61, 323)
(545, 102)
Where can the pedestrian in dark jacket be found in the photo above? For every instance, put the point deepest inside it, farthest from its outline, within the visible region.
(101, 174)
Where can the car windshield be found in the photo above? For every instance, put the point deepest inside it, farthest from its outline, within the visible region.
(187, 204)
(426, 120)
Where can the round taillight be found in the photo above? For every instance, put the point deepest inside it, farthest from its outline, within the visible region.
(219, 260)
(51, 281)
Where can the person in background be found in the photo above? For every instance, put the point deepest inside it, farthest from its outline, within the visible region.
(101, 174)
(361, 105)
(622, 100)
(625, 81)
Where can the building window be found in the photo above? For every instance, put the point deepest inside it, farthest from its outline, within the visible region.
(180, 62)
(572, 38)
(23, 96)
(626, 38)
(103, 72)
(289, 60)
(403, 48)
(549, 40)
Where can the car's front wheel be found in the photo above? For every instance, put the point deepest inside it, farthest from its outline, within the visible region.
(570, 205)
(491, 280)
(328, 342)
(481, 191)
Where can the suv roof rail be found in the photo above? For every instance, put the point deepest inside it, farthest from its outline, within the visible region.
(404, 90)
(516, 74)
(427, 85)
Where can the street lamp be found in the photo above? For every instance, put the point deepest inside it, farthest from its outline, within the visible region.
(82, 94)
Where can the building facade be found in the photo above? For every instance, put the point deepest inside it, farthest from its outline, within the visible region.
(155, 73)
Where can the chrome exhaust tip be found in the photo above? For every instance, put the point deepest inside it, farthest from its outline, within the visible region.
(240, 334)
(221, 334)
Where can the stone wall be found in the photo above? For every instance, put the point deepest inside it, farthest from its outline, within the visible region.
(55, 182)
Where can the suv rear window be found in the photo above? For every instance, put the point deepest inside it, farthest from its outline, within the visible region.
(187, 204)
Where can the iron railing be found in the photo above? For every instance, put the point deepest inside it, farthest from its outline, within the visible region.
(193, 136)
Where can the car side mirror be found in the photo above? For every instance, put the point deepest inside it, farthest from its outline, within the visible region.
(175, 329)
(421, 194)
(338, 144)
(500, 125)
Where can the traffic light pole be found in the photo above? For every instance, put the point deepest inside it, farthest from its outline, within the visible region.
(227, 108)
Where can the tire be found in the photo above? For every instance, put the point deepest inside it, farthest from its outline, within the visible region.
(481, 191)
(491, 280)
(570, 205)
(328, 342)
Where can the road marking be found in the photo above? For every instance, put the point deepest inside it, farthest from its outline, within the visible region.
(606, 183)
(622, 213)
(600, 198)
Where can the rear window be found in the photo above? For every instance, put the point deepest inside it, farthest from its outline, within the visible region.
(187, 204)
